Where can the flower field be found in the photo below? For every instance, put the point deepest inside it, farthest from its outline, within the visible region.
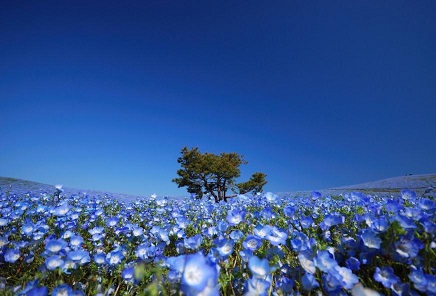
(351, 244)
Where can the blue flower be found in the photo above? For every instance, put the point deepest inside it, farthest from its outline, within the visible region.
(252, 243)
(360, 290)
(392, 206)
(256, 287)
(276, 236)
(306, 222)
(196, 274)
(55, 245)
(177, 263)
(419, 279)
(76, 241)
(112, 221)
(309, 282)
(316, 195)
(400, 289)
(386, 276)
(405, 222)
(225, 247)
(289, 211)
(285, 285)
(259, 267)
(62, 290)
(194, 242)
(345, 276)
(331, 220)
(53, 262)
(236, 235)
(137, 231)
(245, 254)
(12, 255)
(271, 197)
(222, 226)
(100, 258)
(407, 194)
(27, 229)
(300, 242)
(80, 256)
(408, 248)
(38, 291)
(267, 213)
(306, 261)
(353, 263)
(32, 289)
(141, 251)
(370, 239)
(61, 210)
(128, 274)
(431, 284)
(324, 261)
(379, 224)
(427, 205)
(3, 241)
(235, 216)
(115, 257)
(3, 222)
(262, 231)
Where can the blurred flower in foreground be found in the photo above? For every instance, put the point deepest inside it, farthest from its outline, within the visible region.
(360, 290)
(198, 275)
(259, 267)
(256, 287)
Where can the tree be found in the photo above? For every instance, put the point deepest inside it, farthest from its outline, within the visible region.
(213, 174)
(254, 185)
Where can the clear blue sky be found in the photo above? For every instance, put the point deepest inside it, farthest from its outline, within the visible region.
(104, 94)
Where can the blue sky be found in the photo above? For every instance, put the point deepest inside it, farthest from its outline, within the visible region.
(104, 94)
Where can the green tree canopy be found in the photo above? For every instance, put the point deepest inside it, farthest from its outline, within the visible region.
(254, 185)
(214, 174)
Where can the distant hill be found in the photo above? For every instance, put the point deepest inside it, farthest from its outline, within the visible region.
(20, 186)
(409, 181)
(389, 186)
(418, 183)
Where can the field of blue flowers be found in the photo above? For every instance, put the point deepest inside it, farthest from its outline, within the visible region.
(351, 244)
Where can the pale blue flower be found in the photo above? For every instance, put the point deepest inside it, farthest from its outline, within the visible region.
(62, 290)
(306, 261)
(76, 241)
(259, 267)
(128, 274)
(324, 261)
(252, 243)
(54, 262)
(345, 276)
(196, 274)
(194, 242)
(386, 276)
(225, 247)
(100, 258)
(370, 239)
(115, 257)
(256, 287)
(80, 257)
(55, 245)
(309, 282)
(12, 255)
(235, 216)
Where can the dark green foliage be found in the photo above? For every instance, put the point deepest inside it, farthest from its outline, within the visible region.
(254, 185)
(213, 174)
